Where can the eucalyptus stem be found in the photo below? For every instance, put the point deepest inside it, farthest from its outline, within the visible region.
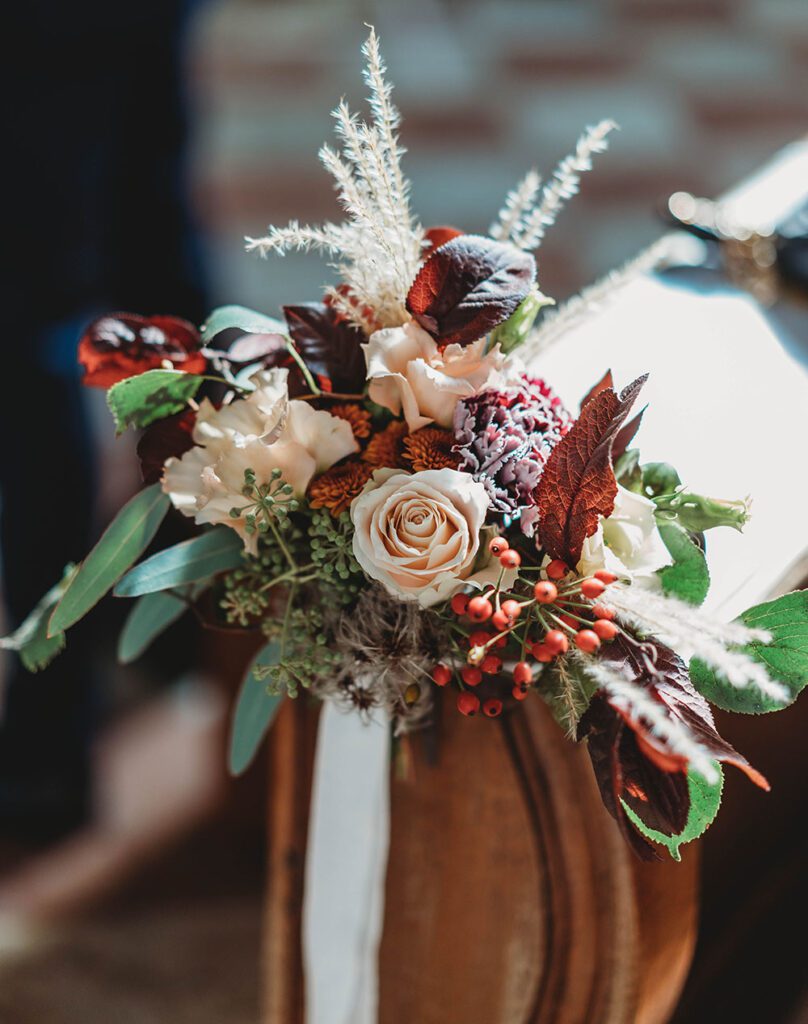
(276, 533)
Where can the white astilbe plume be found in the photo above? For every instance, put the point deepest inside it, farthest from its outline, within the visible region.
(690, 631)
(378, 248)
(639, 704)
(518, 203)
(522, 220)
(557, 322)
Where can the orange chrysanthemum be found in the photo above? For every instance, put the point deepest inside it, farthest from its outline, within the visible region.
(385, 448)
(429, 448)
(354, 414)
(338, 486)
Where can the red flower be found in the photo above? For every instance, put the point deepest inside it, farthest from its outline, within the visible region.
(122, 345)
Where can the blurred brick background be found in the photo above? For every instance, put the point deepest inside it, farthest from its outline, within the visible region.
(704, 91)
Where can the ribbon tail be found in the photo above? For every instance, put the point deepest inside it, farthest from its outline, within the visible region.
(346, 867)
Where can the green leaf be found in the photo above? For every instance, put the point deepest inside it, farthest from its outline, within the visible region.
(785, 658)
(30, 639)
(628, 472)
(153, 395)
(705, 799)
(514, 331)
(247, 320)
(150, 616)
(688, 578)
(659, 478)
(214, 551)
(254, 712)
(123, 541)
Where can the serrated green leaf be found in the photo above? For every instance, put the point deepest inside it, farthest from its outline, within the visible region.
(216, 550)
(659, 478)
(785, 658)
(123, 541)
(150, 616)
(688, 578)
(247, 320)
(705, 799)
(254, 712)
(153, 395)
(30, 640)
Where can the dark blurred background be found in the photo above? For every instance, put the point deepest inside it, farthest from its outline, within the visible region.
(142, 143)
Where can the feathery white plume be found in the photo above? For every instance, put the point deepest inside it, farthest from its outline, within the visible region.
(377, 250)
(518, 203)
(688, 629)
(556, 322)
(636, 702)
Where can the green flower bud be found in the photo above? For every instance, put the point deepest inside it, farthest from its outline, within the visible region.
(697, 513)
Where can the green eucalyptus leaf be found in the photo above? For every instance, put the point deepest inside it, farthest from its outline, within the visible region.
(688, 578)
(785, 658)
(123, 541)
(30, 639)
(705, 799)
(239, 317)
(254, 712)
(153, 395)
(213, 551)
(150, 616)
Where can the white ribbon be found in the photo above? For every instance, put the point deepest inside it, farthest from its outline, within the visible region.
(346, 863)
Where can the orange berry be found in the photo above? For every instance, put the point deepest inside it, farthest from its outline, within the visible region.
(592, 588)
(587, 641)
(545, 592)
(492, 708)
(512, 609)
(497, 546)
(605, 629)
(479, 638)
(468, 704)
(510, 559)
(542, 653)
(479, 609)
(441, 675)
(600, 611)
(557, 641)
(471, 675)
(605, 576)
(501, 621)
(557, 569)
(519, 692)
(522, 673)
(491, 665)
(459, 603)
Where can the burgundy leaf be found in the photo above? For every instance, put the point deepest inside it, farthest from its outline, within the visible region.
(606, 381)
(578, 485)
(468, 286)
(626, 435)
(121, 345)
(165, 438)
(329, 345)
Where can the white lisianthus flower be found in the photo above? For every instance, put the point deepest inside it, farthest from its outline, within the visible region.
(265, 433)
(628, 542)
(418, 534)
(408, 372)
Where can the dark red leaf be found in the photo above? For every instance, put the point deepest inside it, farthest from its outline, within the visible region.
(578, 485)
(606, 381)
(165, 438)
(121, 345)
(626, 434)
(439, 236)
(468, 286)
(329, 345)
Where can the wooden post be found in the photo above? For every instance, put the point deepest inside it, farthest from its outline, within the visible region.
(511, 897)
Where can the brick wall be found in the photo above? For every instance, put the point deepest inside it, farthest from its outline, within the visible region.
(704, 91)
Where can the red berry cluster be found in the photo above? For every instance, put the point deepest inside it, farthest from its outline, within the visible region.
(565, 609)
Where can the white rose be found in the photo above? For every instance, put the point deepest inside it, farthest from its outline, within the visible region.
(264, 432)
(628, 542)
(419, 534)
(408, 372)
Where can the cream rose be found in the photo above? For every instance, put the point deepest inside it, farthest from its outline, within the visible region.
(407, 372)
(264, 432)
(627, 542)
(419, 534)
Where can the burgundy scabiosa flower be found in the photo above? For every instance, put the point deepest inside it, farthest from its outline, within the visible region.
(504, 438)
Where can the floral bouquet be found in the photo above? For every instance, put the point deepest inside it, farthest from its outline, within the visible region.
(395, 500)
